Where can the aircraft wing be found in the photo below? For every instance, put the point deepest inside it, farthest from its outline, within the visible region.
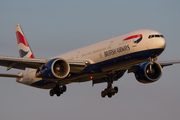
(168, 63)
(20, 63)
(162, 63)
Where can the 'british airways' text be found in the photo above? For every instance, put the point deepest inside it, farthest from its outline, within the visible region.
(115, 51)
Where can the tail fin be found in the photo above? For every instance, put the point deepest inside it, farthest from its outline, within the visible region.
(24, 49)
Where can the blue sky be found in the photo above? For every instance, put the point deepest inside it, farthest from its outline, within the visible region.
(59, 26)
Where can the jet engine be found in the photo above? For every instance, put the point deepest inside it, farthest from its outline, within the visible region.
(148, 73)
(54, 69)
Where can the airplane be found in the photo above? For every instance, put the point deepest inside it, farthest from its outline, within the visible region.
(103, 62)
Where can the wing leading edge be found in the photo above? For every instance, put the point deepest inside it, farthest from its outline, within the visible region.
(20, 63)
(168, 63)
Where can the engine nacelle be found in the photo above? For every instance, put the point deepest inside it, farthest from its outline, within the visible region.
(145, 75)
(54, 69)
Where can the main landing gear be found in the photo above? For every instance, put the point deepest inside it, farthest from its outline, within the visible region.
(109, 91)
(58, 90)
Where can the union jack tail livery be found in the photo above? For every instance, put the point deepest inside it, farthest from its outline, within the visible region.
(24, 49)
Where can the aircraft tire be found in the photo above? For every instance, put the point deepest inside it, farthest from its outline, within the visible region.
(51, 92)
(109, 95)
(103, 94)
(58, 94)
(64, 88)
(116, 89)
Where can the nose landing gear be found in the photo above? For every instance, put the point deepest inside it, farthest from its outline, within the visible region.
(151, 62)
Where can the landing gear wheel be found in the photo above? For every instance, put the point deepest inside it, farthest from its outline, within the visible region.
(64, 88)
(116, 89)
(109, 95)
(113, 93)
(58, 94)
(58, 90)
(103, 94)
(61, 92)
(51, 92)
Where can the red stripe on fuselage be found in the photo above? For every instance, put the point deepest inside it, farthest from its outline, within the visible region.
(21, 39)
(133, 36)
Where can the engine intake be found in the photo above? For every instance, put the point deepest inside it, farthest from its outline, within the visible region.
(147, 73)
(55, 69)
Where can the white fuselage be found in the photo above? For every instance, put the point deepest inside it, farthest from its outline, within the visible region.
(117, 53)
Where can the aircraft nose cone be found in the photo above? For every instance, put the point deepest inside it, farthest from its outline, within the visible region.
(161, 43)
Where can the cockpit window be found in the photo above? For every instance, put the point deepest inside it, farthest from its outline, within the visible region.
(162, 36)
(152, 36)
(157, 35)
